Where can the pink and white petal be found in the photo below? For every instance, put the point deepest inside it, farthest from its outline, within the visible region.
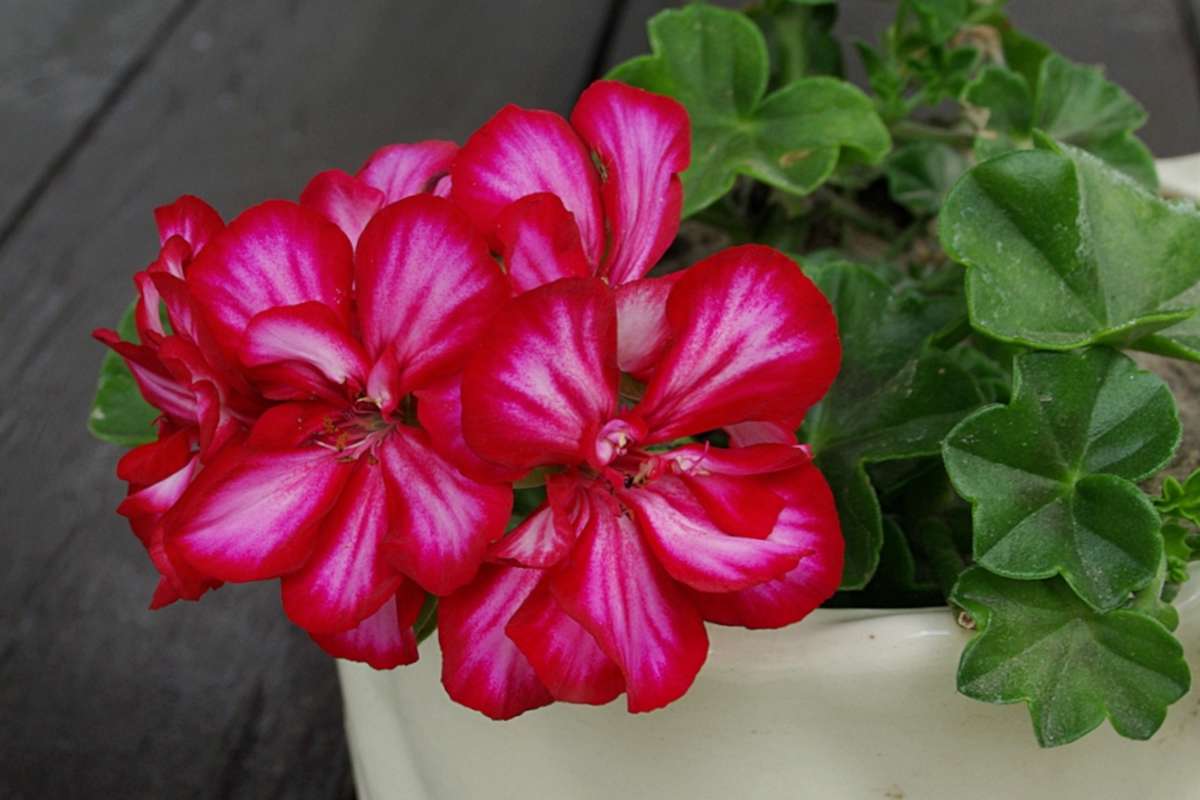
(694, 550)
(402, 170)
(150, 463)
(439, 410)
(191, 219)
(809, 521)
(254, 514)
(755, 459)
(644, 142)
(146, 316)
(289, 425)
(156, 383)
(642, 330)
(343, 200)
(347, 578)
(157, 498)
(274, 254)
(539, 242)
(441, 520)
(520, 152)
(537, 542)
(752, 338)
(564, 655)
(426, 287)
(738, 505)
(745, 434)
(385, 639)
(482, 668)
(543, 379)
(642, 620)
(309, 333)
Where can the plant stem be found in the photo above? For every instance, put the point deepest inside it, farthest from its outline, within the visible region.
(937, 542)
(912, 130)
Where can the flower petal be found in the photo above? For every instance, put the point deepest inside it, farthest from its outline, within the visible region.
(346, 579)
(753, 339)
(343, 200)
(539, 242)
(614, 587)
(155, 382)
(744, 434)
(191, 219)
(809, 520)
(275, 254)
(402, 170)
(426, 286)
(564, 655)
(694, 550)
(150, 463)
(543, 380)
(383, 640)
(644, 142)
(738, 505)
(309, 333)
(439, 410)
(254, 514)
(442, 521)
(536, 542)
(520, 152)
(642, 330)
(481, 667)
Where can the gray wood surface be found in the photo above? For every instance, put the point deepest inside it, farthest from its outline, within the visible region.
(242, 101)
(110, 108)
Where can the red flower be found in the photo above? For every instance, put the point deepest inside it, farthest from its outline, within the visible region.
(335, 488)
(640, 542)
(289, 446)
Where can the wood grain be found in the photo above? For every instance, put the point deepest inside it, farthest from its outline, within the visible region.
(241, 102)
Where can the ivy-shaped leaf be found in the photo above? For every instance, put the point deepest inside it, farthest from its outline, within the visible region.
(1069, 102)
(895, 398)
(1063, 251)
(119, 412)
(940, 19)
(920, 174)
(715, 62)
(1073, 666)
(1051, 475)
(799, 38)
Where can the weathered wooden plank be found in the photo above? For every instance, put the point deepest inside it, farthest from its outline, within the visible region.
(61, 65)
(100, 697)
(1144, 45)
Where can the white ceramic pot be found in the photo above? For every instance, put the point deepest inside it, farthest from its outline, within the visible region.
(847, 705)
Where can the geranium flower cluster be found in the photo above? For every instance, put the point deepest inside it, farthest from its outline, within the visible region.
(350, 387)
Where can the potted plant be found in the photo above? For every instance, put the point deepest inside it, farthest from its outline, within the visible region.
(470, 390)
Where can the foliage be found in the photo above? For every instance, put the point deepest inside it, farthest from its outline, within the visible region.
(985, 223)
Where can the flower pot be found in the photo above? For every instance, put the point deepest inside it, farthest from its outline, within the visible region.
(848, 704)
(851, 704)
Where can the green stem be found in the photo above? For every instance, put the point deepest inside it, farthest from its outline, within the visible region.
(937, 543)
(851, 212)
(910, 129)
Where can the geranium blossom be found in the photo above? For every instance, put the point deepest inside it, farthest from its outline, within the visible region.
(606, 587)
(289, 445)
(335, 488)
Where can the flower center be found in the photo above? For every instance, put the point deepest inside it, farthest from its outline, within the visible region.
(358, 430)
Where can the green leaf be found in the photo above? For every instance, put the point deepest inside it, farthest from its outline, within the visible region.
(1051, 475)
(714, 61)
(1063, 251)
(119, 412)
(1181, 499)
(940, 19)
(1073, 666)
(920, 173)
(1006, 96)
(799, 39)
(1077, 105)
(895, 398)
